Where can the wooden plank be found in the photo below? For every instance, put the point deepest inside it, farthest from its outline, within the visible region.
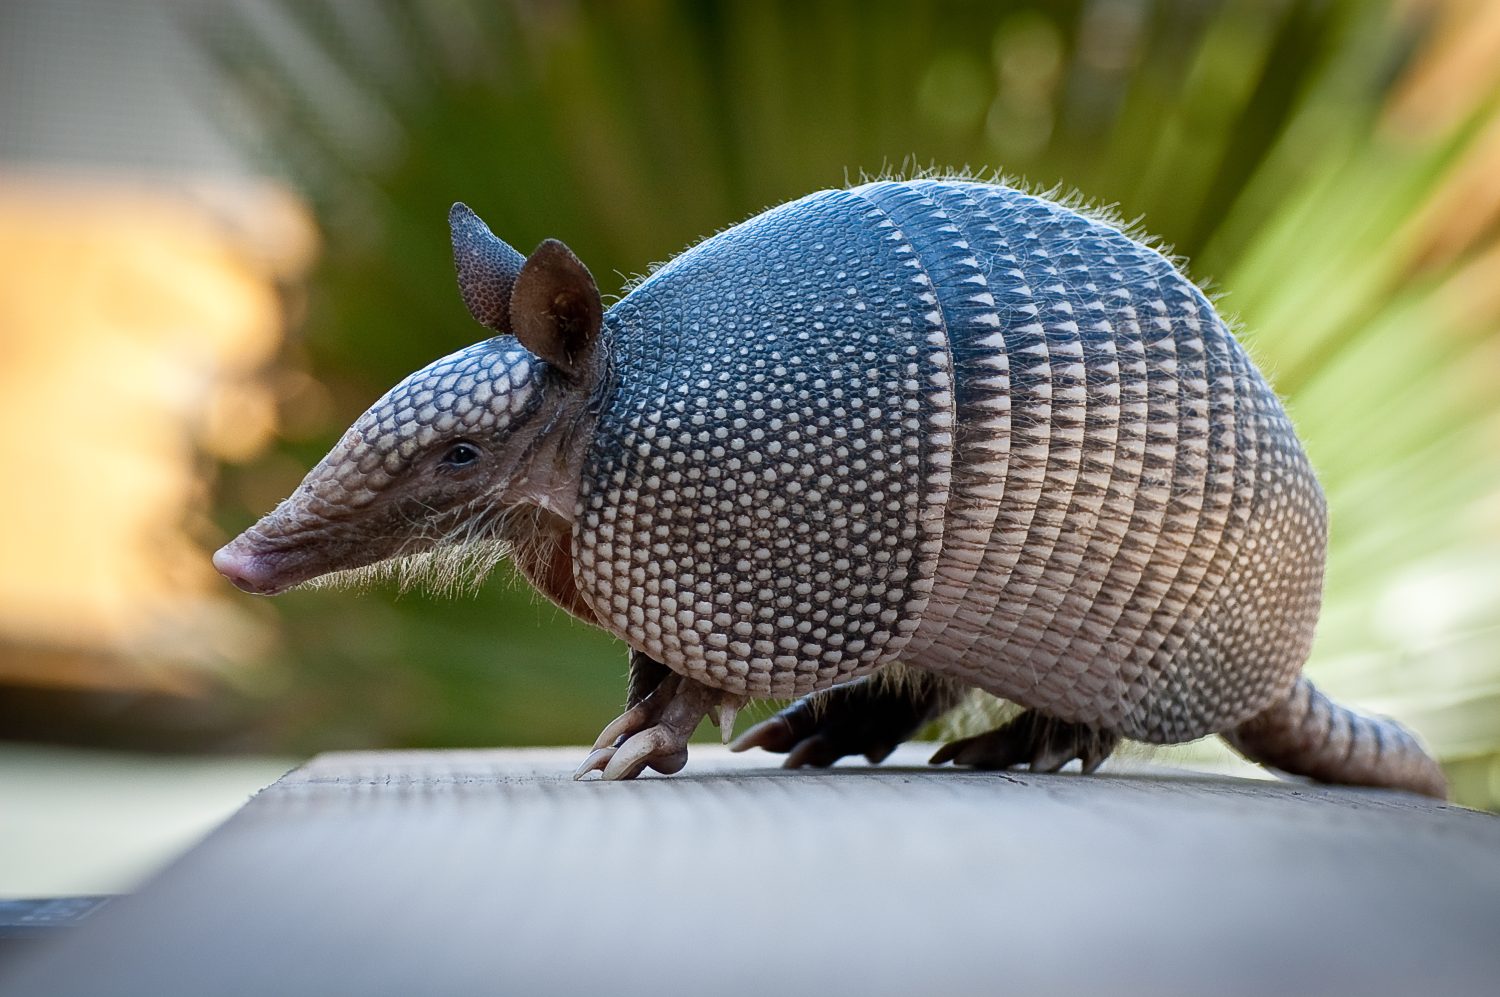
(491, 872)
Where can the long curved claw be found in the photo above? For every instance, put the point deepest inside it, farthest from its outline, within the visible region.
(659, 748)
(636, 718)
(775, 734)
(626, 762)
(1002, 748)
(595, 762)
(817, 751)
(867, 716)
(654, 732)
(980, 752)
(1051, 757)
(1094, 754)
(946, 753)
(1031, 739)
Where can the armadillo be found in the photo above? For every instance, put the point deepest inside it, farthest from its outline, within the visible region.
(874, 448)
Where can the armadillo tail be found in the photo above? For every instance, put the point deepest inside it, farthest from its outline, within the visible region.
(1309, 734)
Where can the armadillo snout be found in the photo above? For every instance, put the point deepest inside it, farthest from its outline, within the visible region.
(250, 572)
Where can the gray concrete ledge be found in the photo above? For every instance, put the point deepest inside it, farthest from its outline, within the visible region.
(488, 872)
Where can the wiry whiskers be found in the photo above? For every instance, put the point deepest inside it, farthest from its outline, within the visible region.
(452, 555)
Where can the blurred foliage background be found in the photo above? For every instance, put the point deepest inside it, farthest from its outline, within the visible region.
(1330, 167)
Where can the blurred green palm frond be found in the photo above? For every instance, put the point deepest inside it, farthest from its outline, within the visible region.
(1330, 165)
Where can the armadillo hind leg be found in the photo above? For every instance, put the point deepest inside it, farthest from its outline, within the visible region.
(868, 716)
(654, 732)
(1309, 734)
(1035, 740)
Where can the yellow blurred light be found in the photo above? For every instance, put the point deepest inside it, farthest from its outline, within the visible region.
(136, 325)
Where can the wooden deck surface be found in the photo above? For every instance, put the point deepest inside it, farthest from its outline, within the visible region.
(493, 873)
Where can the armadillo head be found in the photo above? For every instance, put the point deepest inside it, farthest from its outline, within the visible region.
(437, 468)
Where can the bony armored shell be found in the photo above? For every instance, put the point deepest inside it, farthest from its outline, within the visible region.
(876, 447)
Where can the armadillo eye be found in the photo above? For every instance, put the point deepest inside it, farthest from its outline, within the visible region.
(461, 455)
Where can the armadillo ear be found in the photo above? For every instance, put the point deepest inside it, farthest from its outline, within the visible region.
(487, 268)
(555, 309)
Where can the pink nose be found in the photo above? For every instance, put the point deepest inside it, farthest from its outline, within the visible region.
(248, 572)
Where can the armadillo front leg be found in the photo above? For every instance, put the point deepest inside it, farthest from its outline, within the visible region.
(869, 716)
(654, 731)
(1034, 740)
(646, 673)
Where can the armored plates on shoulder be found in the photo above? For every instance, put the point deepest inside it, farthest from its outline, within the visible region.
(762, 504)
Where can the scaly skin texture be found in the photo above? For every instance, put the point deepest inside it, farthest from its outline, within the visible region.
(938, 424)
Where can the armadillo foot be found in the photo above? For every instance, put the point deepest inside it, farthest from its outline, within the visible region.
(869, 717)
(1034, 740)
(654, 732)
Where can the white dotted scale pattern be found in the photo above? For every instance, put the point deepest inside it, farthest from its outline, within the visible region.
(762, 504)
(481, 391)
(959, 425)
